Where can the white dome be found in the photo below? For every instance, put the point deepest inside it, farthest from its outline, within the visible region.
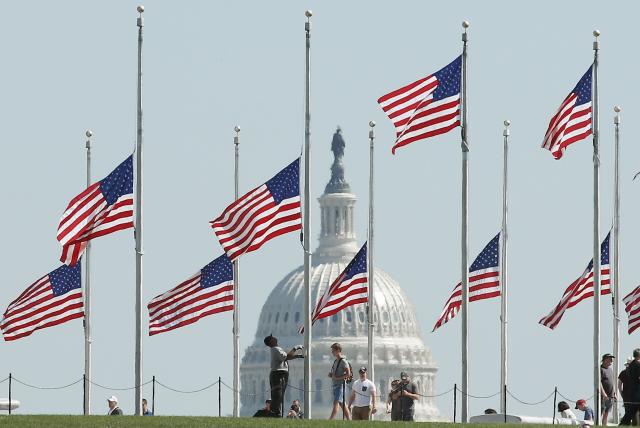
(398, 343)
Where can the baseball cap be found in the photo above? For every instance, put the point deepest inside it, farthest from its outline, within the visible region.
(628, 361)
(580, 402)
(403, 375)
(607, 356)
(113, 398)
(362, 369)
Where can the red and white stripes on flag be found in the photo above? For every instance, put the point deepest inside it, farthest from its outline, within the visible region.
(103, 208)
(51, 300)
(208, 292)
(572, 121)
(632, 307)
(427, 107)
(264, 213)
(348, 289)
(484, 282)
(582, 288)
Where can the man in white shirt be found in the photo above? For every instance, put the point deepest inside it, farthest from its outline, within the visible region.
(363, 397)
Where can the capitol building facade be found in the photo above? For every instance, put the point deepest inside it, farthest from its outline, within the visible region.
(398, 343)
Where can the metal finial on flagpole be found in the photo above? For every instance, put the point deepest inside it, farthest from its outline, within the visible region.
(138, 227)
(464, 265)
(87, 299)
(370, 267)
(503, 274)
(596, 230)
(236, 291)
(616, 252)
(306, 228)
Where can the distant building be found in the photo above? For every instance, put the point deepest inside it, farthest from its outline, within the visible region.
(399, 346)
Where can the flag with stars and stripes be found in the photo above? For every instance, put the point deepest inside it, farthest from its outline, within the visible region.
(484, 282)
(208, 292)
(572, 121)
(348, 289)
(427, 107)
(582, 288)
(102, 208)
(632, 307)
(51, 300)
(268, 211)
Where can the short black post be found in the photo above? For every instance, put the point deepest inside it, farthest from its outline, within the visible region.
(10, 402)
(153, 396)
(84, 393)
(344, 406)
(219, 397)
(555, 399)
(505, 404)
(455, 401)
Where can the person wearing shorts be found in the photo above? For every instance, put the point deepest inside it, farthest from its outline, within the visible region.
(339, 374)
(607, 387)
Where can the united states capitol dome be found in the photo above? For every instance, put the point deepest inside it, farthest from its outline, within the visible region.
(398, 343)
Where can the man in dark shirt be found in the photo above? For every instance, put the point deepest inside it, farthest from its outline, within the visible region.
(404, 396)
(265, 412)
(633, 371)
(624, 384)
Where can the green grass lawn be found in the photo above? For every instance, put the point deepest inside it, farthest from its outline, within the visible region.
(19, 421)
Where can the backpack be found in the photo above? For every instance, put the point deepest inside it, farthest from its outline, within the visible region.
(350, 378)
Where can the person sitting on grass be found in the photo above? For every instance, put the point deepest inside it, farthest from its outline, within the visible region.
(264, 412)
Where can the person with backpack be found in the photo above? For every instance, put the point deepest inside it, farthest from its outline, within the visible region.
(340, 374)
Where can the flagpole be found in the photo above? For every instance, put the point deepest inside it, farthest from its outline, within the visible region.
(503, 274)
(596, 234)
(87, 300)
(138, 230)
(236, 293)
(464, 236)
(370, 268)
(616, 253)
(306, 232)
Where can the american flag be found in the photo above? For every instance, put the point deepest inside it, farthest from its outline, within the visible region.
(484, 281)
(51, 300)
(582, 288)
(427, 107)
(208, 292)
(632, 307)
(572, 121)
(267, 211)
(103, 208)
(348, 289)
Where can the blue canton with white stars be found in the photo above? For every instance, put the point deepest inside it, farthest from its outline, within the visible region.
(448, 80)
(489, 257)
(604, 253)
(119, 182)
(286, 183)
(218, 271)
(583, 88)
(358, 265)
(65, 279)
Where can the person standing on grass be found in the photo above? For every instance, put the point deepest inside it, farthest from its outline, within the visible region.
(625, 385)
(363, 394)
(279, 375)
(607, 387)
(633, 371)
(408, 396)
(339, 374)
(114, 410)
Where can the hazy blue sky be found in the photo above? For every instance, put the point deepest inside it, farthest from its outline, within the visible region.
(69, 66)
